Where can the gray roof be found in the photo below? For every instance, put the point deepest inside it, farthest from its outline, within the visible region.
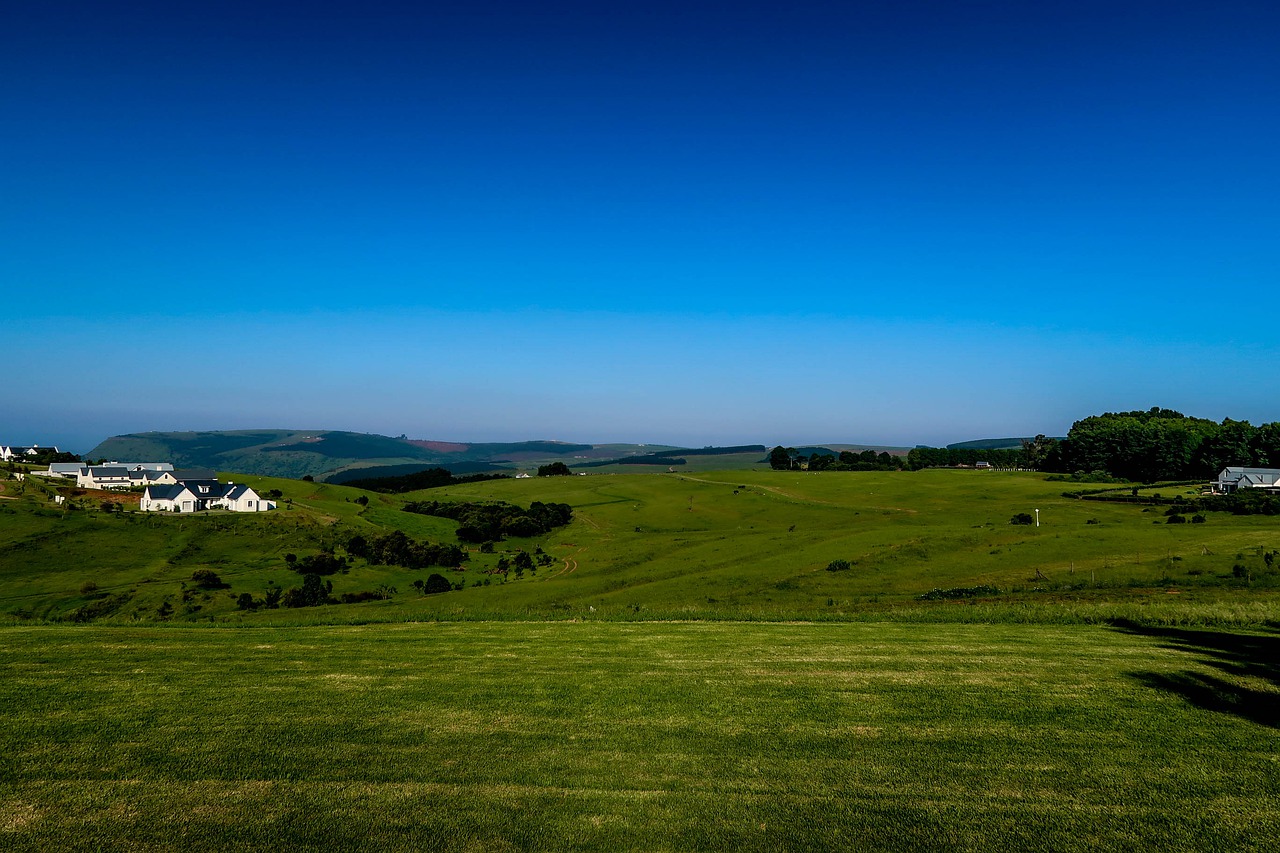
(165, 493)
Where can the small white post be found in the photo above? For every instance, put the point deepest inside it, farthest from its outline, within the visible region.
(1037, 518)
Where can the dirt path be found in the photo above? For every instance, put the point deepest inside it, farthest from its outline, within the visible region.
(570, 564)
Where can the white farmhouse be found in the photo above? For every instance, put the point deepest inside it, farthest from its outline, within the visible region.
(122, 476)
(197, 495)
(1233, 479)
(9, 453)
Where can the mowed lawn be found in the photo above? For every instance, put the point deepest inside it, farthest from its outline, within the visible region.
(646, 736)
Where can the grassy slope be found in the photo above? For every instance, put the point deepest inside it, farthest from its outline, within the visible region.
(664, 545)
(565, 736)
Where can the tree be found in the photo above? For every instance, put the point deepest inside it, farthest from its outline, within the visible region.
(780, 459)
(436, 583)
(312, 593)
(555, 469)
(207, 579)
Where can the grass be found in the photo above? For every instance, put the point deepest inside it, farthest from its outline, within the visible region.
(713, 545)
(516, 736)
(687, 676)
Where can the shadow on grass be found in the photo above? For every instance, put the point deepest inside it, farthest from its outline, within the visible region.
(1249, 663)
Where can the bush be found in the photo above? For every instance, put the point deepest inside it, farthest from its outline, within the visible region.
(207, 579)
(838, 566)
(436, 583)
(1022, 518)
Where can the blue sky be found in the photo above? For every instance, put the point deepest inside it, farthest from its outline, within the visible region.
(694, 223)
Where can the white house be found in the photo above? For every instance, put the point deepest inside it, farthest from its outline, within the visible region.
(102, 477)
(197, 495)
(9, 453)
(1233, 478)
(171, 498)
(118, 476)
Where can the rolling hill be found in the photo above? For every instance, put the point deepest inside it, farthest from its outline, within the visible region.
(336, 455)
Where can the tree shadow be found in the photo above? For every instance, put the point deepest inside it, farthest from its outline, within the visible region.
(1249, 686)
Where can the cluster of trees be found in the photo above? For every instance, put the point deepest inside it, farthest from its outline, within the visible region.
(491, 522)
(397, 549)
(788, 459)
(1146, 447)
(949, 457)
(1161, 444)
(324, 563)
(555, 469)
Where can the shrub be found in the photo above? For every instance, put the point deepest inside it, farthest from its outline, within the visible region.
(1022, 518)
(436, 583)
(838, 566)
(206, 579)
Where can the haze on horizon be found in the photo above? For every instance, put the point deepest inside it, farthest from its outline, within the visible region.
(685, 223)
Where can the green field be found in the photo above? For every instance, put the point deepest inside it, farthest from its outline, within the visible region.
(712, 545)
(598, 736)
(687, 675)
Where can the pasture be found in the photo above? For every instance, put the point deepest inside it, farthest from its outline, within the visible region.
(686, 675)
(736, 545)
(655, 736)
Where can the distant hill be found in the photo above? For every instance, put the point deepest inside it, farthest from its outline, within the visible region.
(339, 457)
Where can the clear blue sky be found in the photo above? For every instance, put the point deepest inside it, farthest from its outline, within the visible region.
(882, 222)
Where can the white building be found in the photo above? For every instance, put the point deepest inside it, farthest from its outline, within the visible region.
(198, 495)
(1232, 479)
(12, 453)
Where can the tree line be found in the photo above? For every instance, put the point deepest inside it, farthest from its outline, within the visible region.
(1139, 446)
(491, 522)
(790, 459)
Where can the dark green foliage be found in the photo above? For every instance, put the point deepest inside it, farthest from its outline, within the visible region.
(207, 579)
(436, 583)
(1022, 518)
(307, 478)
(823, 459)
(1161, 444)
(958, 592)
(431, 478)
(363, 500)
(312, 593)
(555, 469)
(397, 549)
(319, 564)
(1176, 519)
(382, 593)
(490, 522)
(950, 457)
(838, 566)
